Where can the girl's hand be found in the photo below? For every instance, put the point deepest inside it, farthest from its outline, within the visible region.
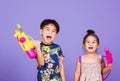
(109, 66)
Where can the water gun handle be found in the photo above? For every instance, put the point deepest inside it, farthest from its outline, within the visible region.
(109, 57)
(31, 53)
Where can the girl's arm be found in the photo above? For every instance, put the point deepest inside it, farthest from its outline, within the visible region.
(106, 69)
(39, 56)
(77, 71)
(62, 72)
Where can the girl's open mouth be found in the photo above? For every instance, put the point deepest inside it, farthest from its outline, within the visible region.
(90, 47)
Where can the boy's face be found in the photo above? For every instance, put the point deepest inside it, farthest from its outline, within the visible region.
(49, 33)
(91, 44)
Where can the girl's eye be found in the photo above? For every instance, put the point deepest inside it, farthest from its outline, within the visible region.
(94, 42)
(88, 42)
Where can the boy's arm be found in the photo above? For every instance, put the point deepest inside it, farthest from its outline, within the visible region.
(62, 72)
(39, 56)
(77, 71)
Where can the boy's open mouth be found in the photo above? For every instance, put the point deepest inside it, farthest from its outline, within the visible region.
(48, 37)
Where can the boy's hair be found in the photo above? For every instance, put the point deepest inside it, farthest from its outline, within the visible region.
(50, 21)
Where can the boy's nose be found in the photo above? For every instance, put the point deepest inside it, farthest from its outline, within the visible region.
(50, 32)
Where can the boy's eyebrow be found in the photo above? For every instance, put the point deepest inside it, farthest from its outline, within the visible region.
(46, 27)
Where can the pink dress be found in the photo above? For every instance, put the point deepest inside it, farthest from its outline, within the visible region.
(91, 71)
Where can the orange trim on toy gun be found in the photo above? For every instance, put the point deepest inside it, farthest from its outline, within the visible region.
(25, 42)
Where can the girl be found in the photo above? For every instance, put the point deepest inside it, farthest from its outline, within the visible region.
(90, 66)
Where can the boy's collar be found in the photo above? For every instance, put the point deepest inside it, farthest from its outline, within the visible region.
(47, 44)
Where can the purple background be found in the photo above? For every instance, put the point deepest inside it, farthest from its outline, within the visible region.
(74, 17)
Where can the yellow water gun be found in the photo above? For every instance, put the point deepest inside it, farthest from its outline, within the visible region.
(25, 42)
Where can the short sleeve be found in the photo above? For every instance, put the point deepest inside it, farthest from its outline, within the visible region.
(79, 58)
(102, 58)
(60, 53)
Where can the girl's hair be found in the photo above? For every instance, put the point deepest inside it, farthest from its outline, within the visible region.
(90, 33)
(50, 21)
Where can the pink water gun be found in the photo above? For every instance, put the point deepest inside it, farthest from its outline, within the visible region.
(25, 42)
(109, 57)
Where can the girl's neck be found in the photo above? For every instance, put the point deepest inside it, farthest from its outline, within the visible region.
(89, 53)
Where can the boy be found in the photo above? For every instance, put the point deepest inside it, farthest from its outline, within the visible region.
(49, 55)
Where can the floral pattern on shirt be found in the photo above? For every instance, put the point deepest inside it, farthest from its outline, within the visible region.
(50, 71)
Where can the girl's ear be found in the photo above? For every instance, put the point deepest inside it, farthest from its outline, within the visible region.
(98, 46)
(83, 45)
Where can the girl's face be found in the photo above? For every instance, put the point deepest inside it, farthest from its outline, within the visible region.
(48, 33)
(91, 44)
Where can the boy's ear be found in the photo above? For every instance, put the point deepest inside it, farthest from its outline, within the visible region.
(40, 31)
(56, 35)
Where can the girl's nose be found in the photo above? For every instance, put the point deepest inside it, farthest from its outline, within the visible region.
(91, 43)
